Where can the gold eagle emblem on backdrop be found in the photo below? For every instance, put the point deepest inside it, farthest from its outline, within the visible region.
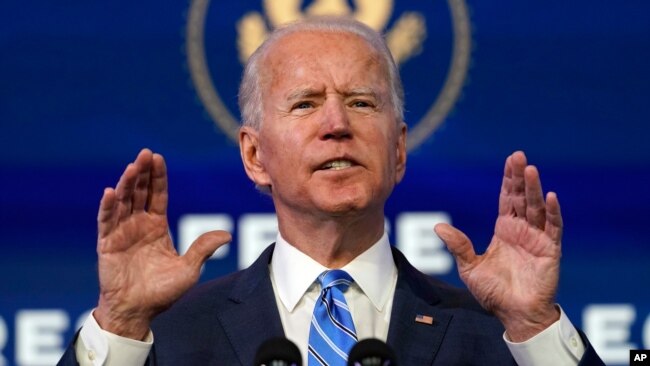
(405, 40)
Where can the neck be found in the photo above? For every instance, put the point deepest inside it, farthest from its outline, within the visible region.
(332, 241)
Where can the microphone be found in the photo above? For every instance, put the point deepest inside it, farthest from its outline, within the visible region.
(278, 352)
(371, 352)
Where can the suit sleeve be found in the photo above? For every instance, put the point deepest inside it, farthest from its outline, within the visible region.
(590, 358)
(69, 358)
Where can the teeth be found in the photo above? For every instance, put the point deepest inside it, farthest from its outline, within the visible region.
(338, 164)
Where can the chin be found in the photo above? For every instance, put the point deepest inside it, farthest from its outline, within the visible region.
(344, 203)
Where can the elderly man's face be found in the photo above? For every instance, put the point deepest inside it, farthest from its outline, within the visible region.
(329, 141)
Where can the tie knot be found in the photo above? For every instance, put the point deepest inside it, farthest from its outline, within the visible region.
(335, 278)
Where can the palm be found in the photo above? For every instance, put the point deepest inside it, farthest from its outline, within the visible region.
(517, 277)
(140, 273)
(519, 269)
(140, 248)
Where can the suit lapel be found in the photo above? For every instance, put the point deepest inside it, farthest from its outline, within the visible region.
(415, 342)
(252, 316)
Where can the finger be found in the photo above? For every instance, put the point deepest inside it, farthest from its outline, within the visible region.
(535, 207)
(505, 204)
(518, 191)
(143, 165)
(124, 190)
(157, 197)
(458, 244)
(204, 246)
(126, 187)
(554, 225)
(107, 215)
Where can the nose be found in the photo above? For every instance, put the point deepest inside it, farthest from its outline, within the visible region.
(335, 123)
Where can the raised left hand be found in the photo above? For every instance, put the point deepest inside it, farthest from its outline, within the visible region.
(517, 276)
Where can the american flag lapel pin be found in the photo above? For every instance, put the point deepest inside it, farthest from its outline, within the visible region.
(424, 319)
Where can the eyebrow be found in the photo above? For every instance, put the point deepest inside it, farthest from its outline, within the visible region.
(304, 93)
(363, 91)
(311, 93)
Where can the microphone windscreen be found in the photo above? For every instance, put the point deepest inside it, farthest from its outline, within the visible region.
(278, 352)
(371, 352)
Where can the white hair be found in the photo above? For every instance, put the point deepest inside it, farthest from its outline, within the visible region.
(250, 93)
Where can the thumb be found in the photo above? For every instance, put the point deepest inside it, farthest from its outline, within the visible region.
(457, 243)
(205, 245)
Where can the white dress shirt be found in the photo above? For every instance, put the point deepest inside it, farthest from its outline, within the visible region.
(370, 298)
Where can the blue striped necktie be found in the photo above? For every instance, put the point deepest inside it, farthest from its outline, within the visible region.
(332, 332)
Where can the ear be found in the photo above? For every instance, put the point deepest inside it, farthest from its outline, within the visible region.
(250, 155)
(400, 150)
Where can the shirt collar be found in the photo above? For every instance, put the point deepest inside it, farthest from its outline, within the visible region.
(294, 272)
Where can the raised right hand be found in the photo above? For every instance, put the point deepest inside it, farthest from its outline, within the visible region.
(140, 272)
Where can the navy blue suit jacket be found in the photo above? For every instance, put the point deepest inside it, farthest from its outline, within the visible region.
(223, 322)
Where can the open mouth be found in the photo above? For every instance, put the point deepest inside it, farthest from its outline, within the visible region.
(339, 164)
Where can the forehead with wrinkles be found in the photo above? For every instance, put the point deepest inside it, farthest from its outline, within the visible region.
(320, 52)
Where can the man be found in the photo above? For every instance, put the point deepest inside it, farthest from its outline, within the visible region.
(324, 135)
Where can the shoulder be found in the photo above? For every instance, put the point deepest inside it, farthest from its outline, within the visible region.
(457, 317)
(206, 299)
(210, 294)
(209, 322)
(432, 290)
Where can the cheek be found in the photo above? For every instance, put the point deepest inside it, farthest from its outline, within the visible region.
(280, 154)
(386, 149)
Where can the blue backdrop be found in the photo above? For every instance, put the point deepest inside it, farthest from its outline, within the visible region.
(85, 84)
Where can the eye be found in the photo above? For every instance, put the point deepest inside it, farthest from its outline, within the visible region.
(361, 104)
(303, 105)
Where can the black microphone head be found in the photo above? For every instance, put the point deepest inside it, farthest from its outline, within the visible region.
(371, 352)
(278, 352)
